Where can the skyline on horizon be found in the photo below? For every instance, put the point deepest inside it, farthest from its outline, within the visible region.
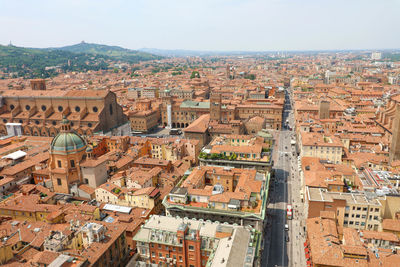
(213, 25)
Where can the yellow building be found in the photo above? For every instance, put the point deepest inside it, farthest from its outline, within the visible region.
(324, 147)
(146, 198)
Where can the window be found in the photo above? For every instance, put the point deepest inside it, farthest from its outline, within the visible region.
(364, 209)
(12, 107)
(60, 108)
(111, 109)
(160, 254)
(351, 222)
(27, 107)
(153, 254)
(180, 258)
(59, 181)
(376, 210)
(95, 109)
(358, 208)
(4, 120)
(191, 248)
(72, 163)
(59, 163)
(54, 122)
(358, 216)
(44, 108)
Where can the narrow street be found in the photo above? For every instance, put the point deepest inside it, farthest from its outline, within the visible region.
(282, 247)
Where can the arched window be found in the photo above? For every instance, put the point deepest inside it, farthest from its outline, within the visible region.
(27, 107)
(60, 108)
(44, 108)
(77, 109)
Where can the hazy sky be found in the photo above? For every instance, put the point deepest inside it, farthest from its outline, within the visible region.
(204, 24)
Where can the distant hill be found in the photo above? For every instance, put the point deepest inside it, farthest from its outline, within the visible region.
(116, 52)
(47, 62)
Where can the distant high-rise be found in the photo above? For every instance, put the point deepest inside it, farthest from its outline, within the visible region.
(324, 109)
(376, 55)
(394, 153)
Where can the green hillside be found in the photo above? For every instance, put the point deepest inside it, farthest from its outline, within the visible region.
(43, 63)
(117, 52)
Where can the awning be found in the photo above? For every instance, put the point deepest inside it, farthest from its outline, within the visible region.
(15, 155)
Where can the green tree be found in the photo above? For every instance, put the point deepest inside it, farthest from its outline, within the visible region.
(195, 74)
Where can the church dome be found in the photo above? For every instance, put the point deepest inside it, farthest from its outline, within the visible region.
(67, 141)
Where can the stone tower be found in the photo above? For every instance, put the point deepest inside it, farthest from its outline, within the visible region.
(215, 107)
(38, 84)
(394, 152)
(324, 109)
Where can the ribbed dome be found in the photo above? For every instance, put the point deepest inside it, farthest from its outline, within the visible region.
(66, 143)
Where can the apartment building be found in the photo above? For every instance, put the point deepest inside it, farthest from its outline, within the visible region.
(327, 246)
(221, 194)
(238, 151)
(354, 210)
(144, 121)
(186, 242)
(321, 146)
(174, 148)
